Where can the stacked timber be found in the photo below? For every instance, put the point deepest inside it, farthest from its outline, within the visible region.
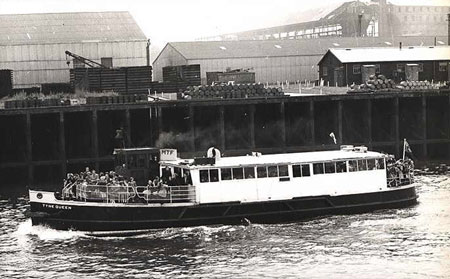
(183, 73)
(139, 80)
(236, 91)
(382, 84)
(124, 80)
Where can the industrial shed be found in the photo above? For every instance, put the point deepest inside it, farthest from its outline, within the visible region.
(271, 60)
(346, 66)
(33, 45)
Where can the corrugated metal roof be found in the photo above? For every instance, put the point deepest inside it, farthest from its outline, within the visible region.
(68, 28)
(278, 48)
(387, 54)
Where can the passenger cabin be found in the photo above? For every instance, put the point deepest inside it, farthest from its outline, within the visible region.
(284, 176)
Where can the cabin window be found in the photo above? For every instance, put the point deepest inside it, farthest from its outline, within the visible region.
(352, 165)
(283, 170)
(380, 163)
(209, 175)
(341, 166)
(324, 71)
(249, 172)
(238, 173)
(305, 170)
(262, 172)
(300, 170)
(296, 171)
(442, 66)
(362, 165)
(371, 164)
(225, 174)
(204, 176)
(318, 168)
(330, 167)
(272, 171)
(356, 69)
(214, 175)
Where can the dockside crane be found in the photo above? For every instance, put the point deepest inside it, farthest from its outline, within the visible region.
(84, 60)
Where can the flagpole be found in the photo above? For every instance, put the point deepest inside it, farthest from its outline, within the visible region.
(404, 144)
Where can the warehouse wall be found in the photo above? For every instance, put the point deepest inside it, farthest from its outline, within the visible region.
(46, 63)
(267, 69)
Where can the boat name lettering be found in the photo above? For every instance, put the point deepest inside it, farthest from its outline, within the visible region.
(56, 206)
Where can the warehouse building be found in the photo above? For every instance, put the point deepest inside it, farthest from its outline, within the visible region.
(34, 45)
(346, 66)
(376, 18)
(272, 61)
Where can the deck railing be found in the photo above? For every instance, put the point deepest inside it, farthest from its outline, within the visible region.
(130, 194)
(400, 180)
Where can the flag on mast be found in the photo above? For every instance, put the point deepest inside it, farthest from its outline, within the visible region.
(406, 149)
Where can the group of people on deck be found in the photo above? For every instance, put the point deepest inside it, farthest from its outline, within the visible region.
(399, 171)
(161, 185)
(91, 178)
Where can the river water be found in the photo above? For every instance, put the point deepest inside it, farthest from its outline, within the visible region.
(402, 243)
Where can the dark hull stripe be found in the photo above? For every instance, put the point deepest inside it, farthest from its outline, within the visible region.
(143, 218)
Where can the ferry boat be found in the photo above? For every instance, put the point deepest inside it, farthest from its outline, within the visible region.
(230, 190)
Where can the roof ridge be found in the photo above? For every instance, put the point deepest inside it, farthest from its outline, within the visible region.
(59, 13)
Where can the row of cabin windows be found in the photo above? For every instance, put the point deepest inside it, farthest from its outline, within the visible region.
(302, 170)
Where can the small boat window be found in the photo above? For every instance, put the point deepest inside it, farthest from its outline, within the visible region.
(380, 163)
(296, 171)
(249, 172)
(209, 175)
(226, 174)
(330, 167)
(341, 166)
(213, 175)
(352, 165)
(300, 170)
(204, 176)
(238, 173)
(305, 170)
(283, 170)
(262, 172)
(362, 165)
(371, 164)
(273, 171)
(318, 168)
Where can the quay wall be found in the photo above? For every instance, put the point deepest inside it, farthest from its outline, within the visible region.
(39, 145)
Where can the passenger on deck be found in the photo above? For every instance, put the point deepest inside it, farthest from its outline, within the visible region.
(166, 174)
(132, 182)
(156, 184)
(187, 178)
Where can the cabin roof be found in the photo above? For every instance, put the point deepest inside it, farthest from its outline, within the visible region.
(286, 158)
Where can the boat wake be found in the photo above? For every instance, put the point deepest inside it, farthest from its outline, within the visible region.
(45, 233)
